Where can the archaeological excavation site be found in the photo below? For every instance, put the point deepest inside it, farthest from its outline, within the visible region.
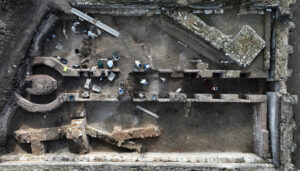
(147, 85)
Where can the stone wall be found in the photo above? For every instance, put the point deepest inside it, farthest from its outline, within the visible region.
(54, 63)
(283, 49)
(37, 137)
(181, 3)
(241, 48)
(287, 127)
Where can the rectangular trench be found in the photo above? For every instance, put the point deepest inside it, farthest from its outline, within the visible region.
(206, 127)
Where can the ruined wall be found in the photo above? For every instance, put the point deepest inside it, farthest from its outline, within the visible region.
(282, 52)
(287, 127)
(152, 2)
(283, 49)
(131, 166)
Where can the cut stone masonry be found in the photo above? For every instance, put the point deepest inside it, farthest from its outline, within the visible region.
(261, 132)
(242, 48)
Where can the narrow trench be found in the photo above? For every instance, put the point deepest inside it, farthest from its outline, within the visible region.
(191, 85)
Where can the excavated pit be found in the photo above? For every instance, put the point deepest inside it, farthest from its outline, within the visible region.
(194, 125)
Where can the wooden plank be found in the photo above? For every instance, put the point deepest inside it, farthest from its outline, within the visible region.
(95, 22)
(147, 111)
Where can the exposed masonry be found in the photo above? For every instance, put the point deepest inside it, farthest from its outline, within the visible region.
(78, 132)
(58, 66)
(170, 3)
(221, 158)
(261, 3)
(146, 8)
(75, 131)
(133, 166)
(242, 48)
(204, 98)
(75, 97)
(200, 4)
(221, 73)
(62, 98)
(267, 37)
(285, 7)
(55, 64)
(287, 127)
(283, 50)
(261, 132)
(261, 145)
(107, 137)
(246, 161)
(210, 53)
(148, 131)
(180, 97)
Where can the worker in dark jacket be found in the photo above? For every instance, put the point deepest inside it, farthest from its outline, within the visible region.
(213, 88)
